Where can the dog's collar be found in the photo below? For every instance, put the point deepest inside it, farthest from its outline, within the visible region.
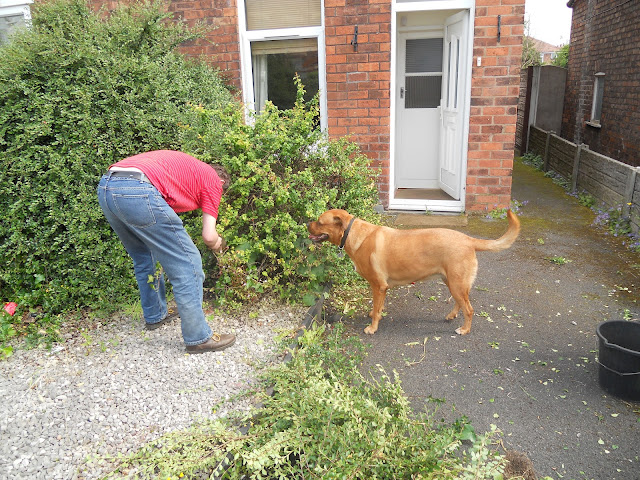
(346, 234)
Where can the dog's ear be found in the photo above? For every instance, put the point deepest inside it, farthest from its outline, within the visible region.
(337, 220)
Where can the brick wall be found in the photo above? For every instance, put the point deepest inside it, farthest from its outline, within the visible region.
(220, 47)
(358, 81)
(495, 88)
(222, 44)
(604, 39)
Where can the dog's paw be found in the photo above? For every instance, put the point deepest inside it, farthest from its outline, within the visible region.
(369, 330)
(450, 317)
(461, 331)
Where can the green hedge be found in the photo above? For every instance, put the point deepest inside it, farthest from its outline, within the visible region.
(82, 90)
(285, 172)
(78, 92)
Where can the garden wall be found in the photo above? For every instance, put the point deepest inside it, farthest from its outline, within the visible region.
(609, 181)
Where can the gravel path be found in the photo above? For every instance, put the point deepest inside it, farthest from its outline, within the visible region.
(108, 390)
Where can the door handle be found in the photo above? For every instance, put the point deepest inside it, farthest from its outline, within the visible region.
(401, 92)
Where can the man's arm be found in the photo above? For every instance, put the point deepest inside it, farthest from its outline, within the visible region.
(209, 234)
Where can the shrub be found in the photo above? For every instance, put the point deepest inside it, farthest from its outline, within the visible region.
(324, 420)
(78, 92)
(532, 159)
(285, 172)
(613, 221)
(562, 57)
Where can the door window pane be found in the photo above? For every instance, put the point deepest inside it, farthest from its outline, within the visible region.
(423, 72)
(424, 55)
(423, 92)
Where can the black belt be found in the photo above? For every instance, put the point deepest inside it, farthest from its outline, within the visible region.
(135, 175)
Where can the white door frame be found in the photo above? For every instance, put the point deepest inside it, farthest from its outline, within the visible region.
(425, 6)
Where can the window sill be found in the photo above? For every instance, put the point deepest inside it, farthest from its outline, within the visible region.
(593, 124)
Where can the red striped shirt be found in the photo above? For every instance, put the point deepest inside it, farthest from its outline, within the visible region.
(185, 182)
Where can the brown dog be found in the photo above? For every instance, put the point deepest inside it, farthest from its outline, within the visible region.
(387, 257)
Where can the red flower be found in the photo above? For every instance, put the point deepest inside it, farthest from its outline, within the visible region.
(10, 307)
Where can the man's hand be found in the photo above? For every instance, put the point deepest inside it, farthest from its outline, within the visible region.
(209, 234)
(220, 246)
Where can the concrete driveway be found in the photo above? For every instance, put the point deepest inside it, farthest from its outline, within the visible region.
(529, 363)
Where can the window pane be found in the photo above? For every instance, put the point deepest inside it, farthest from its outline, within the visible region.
(423, 92)
(275, 66)
(424, 55)
(598, 91)
(455, 99)
(8, 24)
(448, 98)
(268, 14)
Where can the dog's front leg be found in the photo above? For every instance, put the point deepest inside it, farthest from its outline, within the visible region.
(379, 294)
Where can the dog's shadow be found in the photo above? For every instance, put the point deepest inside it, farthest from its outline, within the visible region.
(399, 326)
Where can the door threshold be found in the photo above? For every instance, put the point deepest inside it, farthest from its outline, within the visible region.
(432, 200)
(431, 206)
(422, 194)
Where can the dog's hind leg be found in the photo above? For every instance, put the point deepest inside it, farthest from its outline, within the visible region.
(461, 297)
(379, 294)
(454, 311)
(460, 279)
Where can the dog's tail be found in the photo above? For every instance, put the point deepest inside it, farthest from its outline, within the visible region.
(505, 241)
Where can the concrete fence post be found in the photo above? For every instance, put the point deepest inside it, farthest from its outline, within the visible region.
(546, 150)
(576, 166)
(628, 192)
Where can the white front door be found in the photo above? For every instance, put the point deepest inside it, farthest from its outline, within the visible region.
(452, 104)
(418, 109)
(431, 98)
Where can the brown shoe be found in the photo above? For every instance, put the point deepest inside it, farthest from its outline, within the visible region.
(214, 344)
(171, 314)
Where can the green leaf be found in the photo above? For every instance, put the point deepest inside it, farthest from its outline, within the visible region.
(309, 299)
(468, 433)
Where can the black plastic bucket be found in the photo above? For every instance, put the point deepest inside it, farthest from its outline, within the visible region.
(619, 358)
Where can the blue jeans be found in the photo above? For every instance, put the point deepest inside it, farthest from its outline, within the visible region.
(152, 232)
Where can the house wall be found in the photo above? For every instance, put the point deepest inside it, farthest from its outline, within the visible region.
(495, 87)
(604, 39)
(358, 82)
(222, 44)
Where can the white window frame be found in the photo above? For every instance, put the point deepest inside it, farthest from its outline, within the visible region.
(246, 37)
(10, 8)
(596, 103)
